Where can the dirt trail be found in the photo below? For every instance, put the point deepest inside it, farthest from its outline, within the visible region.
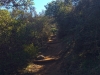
(51, 67)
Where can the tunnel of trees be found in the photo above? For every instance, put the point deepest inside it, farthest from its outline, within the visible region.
(23, 32)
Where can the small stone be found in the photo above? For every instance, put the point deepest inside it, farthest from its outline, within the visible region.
(40, 57)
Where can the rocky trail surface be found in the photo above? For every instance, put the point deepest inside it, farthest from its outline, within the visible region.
(50, 63)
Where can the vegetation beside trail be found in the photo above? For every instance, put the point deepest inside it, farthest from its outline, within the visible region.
(21, 38)
(24, 33)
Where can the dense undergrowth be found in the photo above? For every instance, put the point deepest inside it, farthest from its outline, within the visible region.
(78, 26)
(79, 62)
(21, 39)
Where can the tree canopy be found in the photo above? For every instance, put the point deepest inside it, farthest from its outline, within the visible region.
(18, 4)
(23, 33)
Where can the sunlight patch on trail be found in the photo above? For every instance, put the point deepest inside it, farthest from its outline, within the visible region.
(32, 68)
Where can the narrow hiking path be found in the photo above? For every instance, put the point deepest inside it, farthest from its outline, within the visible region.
(50, 65)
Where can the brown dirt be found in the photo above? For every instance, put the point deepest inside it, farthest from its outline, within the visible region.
(50, 65)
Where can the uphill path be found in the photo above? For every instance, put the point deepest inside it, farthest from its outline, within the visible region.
(50, 64)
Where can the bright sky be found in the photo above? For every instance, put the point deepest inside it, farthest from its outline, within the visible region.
(39, 4)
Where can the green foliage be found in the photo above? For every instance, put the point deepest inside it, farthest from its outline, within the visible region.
(56, 9)
(21, 37)
(79, 24)
(61, 13)
(30, 49)
(5, 25)
(54, 30)
(20, 4)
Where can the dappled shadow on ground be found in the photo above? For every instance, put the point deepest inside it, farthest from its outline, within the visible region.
(59, 59)
(31, 69)
(68, 62)
(47, 68)
(50, 64)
